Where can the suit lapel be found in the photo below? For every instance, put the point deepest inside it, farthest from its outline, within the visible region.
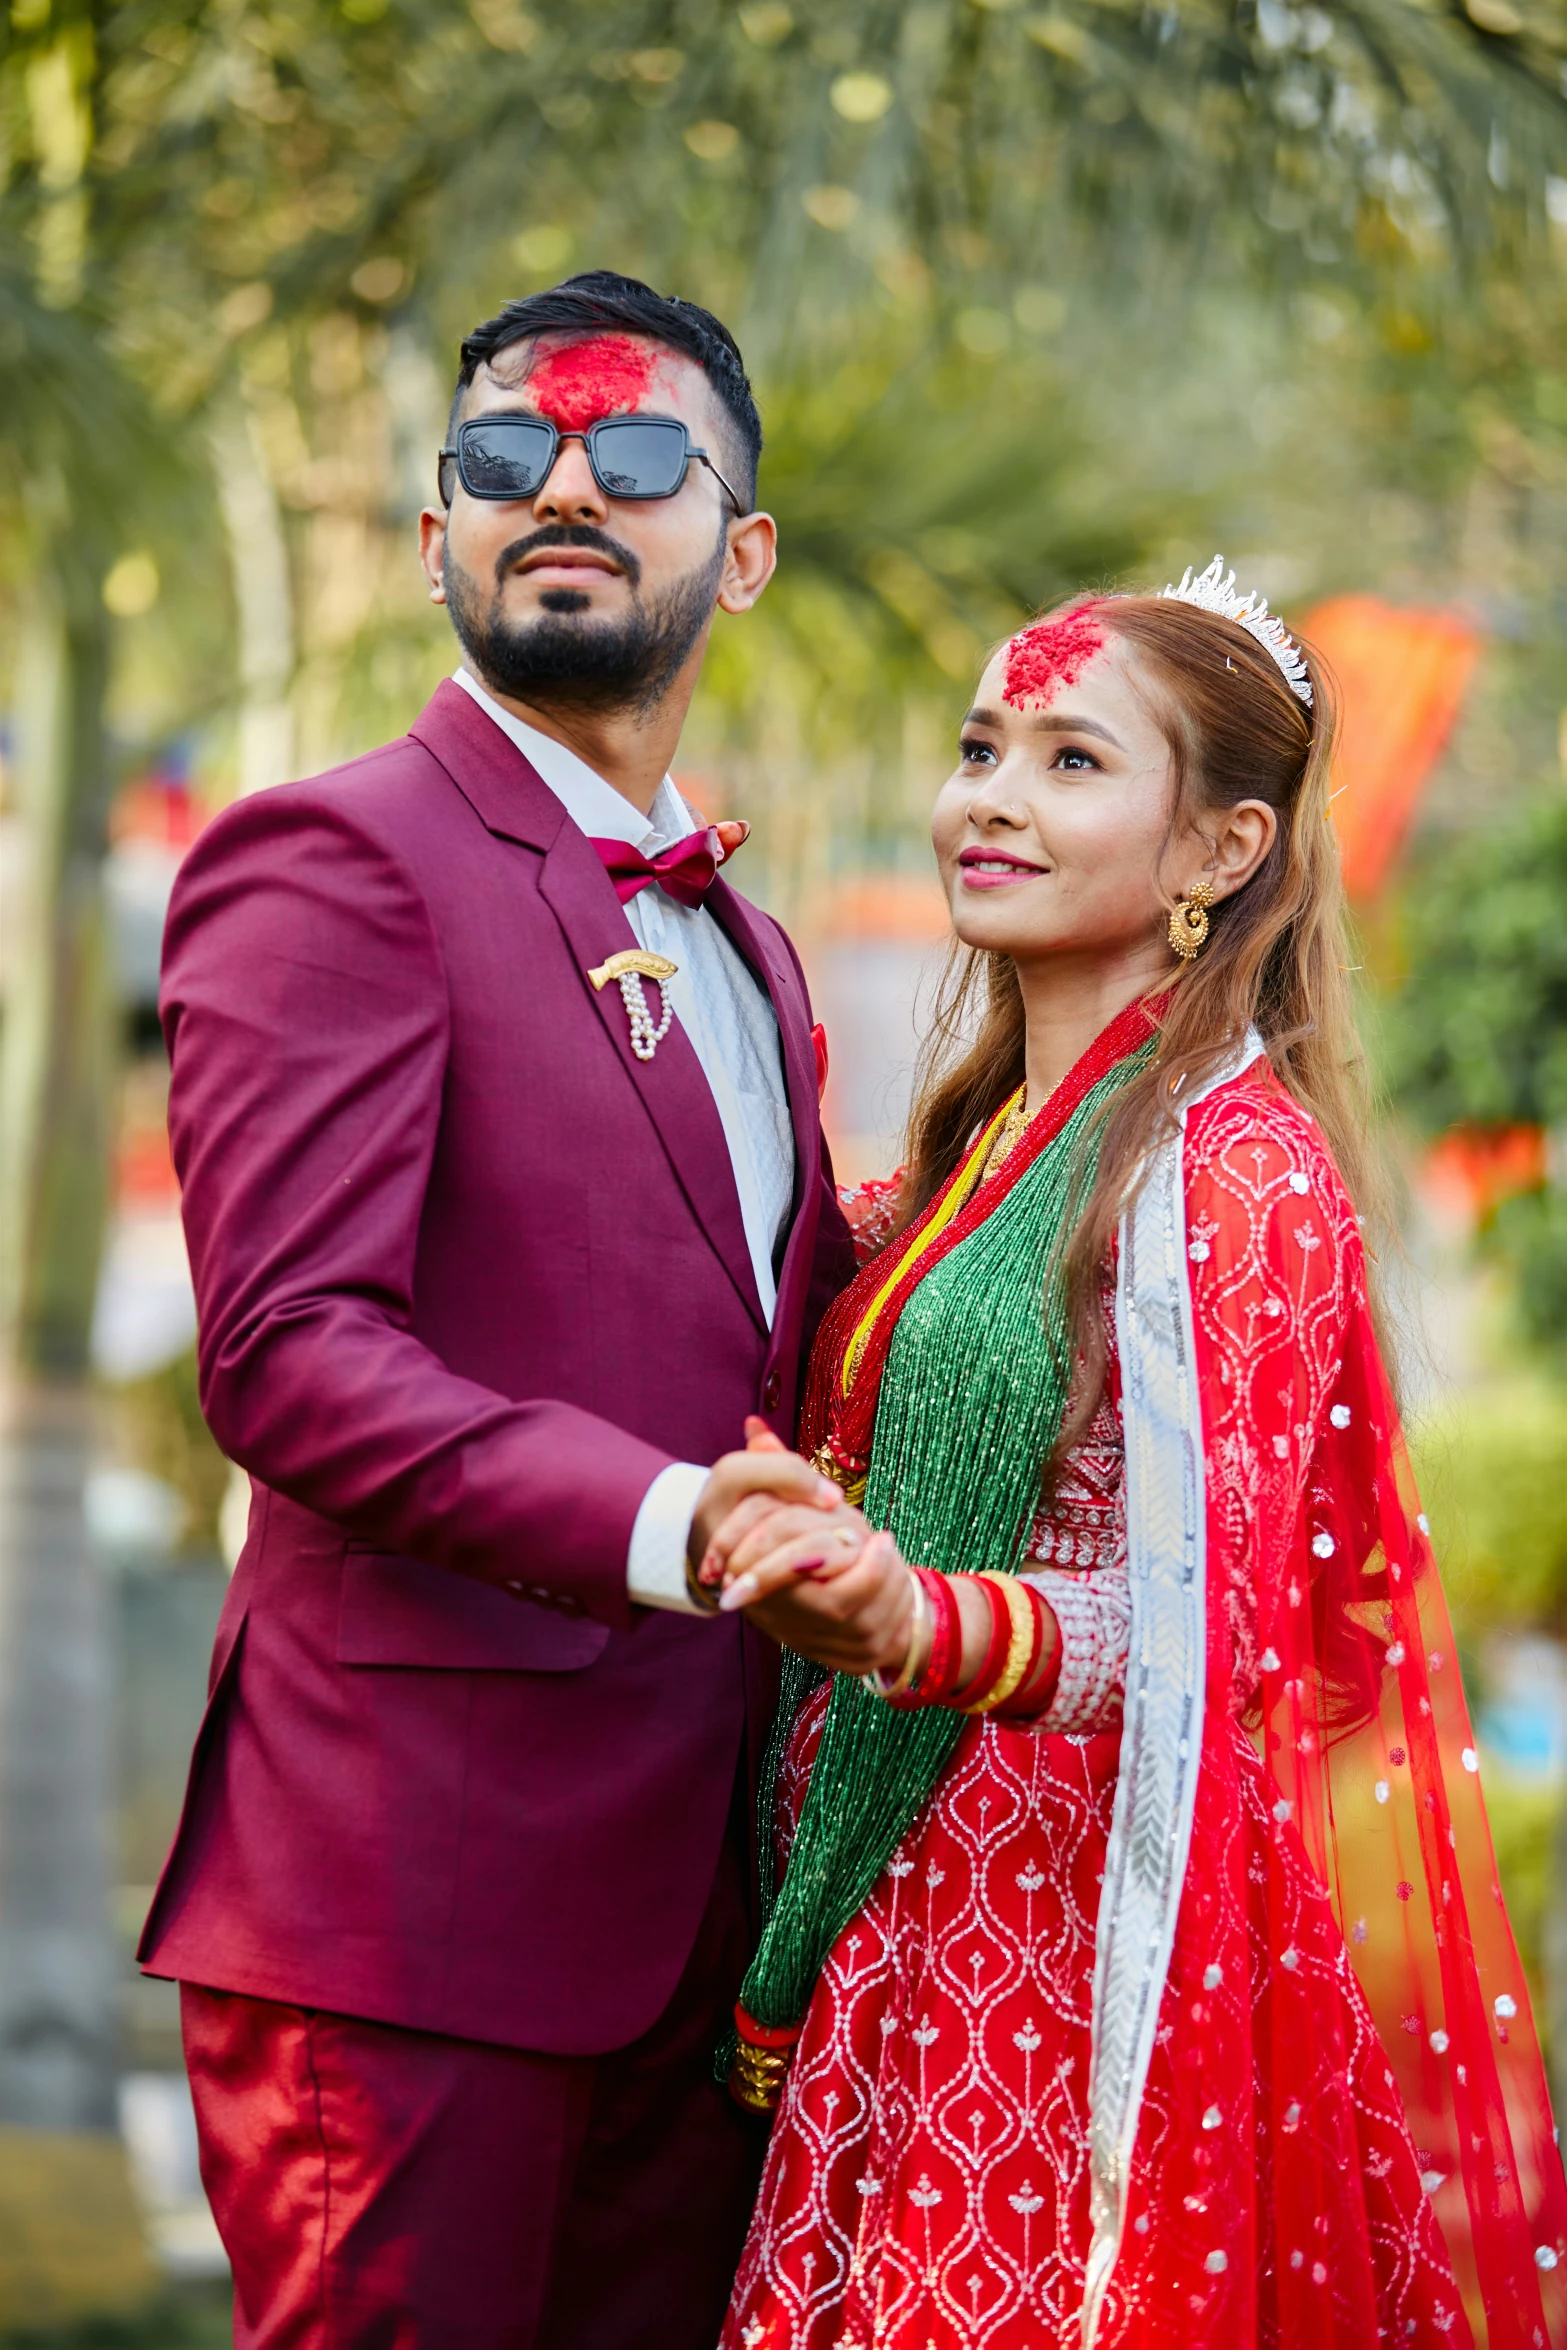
(763, 948)
(671, 1087)
(516, 804)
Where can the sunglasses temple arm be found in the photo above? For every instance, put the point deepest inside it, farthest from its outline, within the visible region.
(718, 477)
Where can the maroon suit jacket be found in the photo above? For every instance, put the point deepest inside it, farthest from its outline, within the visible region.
(469, 1276)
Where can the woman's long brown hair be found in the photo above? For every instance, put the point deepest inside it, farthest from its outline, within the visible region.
(1275, 957)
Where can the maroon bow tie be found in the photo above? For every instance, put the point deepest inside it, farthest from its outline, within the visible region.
(685, 871)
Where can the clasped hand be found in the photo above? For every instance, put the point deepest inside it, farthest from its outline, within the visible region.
(780, 1541)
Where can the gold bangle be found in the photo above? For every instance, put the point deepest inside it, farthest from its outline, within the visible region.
(1019, 1648)
(922, 1636)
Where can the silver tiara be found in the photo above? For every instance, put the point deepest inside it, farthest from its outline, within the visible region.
(1215, 591)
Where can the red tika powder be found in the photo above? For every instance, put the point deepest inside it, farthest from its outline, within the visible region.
(607, 375)
(1050, 654)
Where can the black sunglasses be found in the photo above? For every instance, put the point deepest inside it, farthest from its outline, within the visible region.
(631, 457)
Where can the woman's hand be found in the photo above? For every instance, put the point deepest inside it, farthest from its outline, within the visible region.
(857, 1616)
(765, 1554)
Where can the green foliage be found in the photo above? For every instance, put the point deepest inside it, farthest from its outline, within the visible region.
(1490, 1473)
(1524, 1822)
(192, 2317)
(812, 157)
(1529, 1233)
(1478, 1030)
(156, 1422)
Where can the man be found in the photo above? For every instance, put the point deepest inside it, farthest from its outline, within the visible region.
(495, 1113)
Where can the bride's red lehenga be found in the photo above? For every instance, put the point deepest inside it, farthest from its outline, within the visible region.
(1344, 2102)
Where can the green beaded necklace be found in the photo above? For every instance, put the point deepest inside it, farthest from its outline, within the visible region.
(971, 1399)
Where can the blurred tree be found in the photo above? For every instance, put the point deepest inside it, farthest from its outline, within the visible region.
(63, 407)
(906, 212)
(77, 438)
(1490, 1473)
(1477, 1032)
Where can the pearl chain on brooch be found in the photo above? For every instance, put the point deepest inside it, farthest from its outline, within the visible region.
(1214, 590)
(629, 968)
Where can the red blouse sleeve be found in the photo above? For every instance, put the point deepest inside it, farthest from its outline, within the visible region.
(872, 1210)
(1276, 1265)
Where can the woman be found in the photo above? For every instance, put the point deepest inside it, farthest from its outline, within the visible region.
(1137, 1973)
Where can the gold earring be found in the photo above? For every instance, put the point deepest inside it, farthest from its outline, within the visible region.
(1189, 922)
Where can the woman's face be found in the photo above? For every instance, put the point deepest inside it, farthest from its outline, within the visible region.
(1051, 837)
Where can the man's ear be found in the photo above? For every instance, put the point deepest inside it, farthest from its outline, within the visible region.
(432, 549)
(750, 562)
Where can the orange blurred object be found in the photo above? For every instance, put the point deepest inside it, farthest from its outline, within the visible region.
(144, 1169)
(1402, 675)
(886, 906)
(1474, 1168)
(153, 808)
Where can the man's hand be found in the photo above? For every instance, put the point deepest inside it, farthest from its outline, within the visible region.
(746, 1487)
(857, 1618)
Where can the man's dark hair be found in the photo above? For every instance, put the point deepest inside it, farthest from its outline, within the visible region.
(602, 298)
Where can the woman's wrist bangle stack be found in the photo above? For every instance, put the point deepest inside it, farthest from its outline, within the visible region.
(1026, 1702)
(996, 1648)
(1024, 1632)
(932, 1670)
(936, 1677)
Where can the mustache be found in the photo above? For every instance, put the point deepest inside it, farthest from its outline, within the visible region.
(567, 534)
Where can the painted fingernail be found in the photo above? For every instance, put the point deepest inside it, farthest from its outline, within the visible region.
(827, 1495)
(738, 1595)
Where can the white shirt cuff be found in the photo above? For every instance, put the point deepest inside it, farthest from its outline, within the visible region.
(656, 1561)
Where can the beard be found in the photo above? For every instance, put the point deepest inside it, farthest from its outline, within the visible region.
(562, 657)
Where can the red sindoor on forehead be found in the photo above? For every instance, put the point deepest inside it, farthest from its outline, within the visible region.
(604, 376)
(1050, 654)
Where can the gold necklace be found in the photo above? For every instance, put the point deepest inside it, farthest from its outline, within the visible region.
(1008, 1134)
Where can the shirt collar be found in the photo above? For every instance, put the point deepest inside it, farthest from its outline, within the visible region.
(601, 811)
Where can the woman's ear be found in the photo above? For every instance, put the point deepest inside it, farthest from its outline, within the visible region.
(1240, 840)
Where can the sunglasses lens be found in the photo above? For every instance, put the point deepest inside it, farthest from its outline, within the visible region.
(505, 456)
(640, 460)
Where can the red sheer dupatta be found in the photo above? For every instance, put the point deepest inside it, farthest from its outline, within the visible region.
(1264, 2154)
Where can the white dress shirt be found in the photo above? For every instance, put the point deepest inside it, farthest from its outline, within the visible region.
(732, 1028)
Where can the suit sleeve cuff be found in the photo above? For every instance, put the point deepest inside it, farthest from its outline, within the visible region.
(656, 1561)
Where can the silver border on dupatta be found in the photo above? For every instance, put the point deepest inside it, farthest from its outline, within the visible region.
(1161, 1737)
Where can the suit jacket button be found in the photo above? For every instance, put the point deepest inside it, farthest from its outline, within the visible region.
(772, 1389)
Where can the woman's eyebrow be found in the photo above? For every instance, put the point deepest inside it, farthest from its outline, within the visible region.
(1062, 722)
(978, 717)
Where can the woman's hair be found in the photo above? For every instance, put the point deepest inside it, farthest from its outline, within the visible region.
(1274, 958)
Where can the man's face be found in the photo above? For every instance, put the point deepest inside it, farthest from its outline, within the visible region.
(571, 596)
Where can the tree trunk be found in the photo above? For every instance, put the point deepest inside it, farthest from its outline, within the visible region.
(56, 1950)
(263, 601)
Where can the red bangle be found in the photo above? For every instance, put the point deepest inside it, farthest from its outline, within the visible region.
(946, 1645)
(1026, 1701)
(946, 1654)
(1000, 1641)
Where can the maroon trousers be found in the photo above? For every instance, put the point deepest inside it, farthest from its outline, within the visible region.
(381, 2189)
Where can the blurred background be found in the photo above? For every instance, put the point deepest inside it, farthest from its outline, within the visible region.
(1037, 294)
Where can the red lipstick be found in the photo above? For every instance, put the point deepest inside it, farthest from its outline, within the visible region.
(996, 868)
